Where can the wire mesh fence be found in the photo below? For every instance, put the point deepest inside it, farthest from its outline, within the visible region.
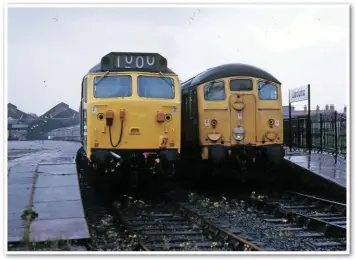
(328, 133)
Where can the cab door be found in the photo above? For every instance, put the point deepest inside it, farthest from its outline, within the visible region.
(192, 134)
(194, 119)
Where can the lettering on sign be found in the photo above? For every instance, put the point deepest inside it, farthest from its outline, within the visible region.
(240, 115)
(207, 122)
(299, 94)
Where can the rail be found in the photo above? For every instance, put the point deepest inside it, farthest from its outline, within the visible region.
(310, 212)
(173, 226)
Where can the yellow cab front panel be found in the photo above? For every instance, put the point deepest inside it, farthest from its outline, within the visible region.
(240, 110)
(147, 121)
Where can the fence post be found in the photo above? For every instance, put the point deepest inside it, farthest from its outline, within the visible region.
(289, 125)
(335, 133)
(298, 133)
(321, 132)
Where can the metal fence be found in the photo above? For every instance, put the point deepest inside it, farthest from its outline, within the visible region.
(328, 133)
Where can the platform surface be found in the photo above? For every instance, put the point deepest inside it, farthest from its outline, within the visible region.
(326, 166)
(43, 174)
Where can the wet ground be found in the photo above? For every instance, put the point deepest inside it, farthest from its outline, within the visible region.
(326, 166)
(44, 202)
(17, 149)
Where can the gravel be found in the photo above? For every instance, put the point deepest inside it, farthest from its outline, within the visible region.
(250, 223)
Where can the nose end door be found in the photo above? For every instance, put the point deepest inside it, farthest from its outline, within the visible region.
(243, 115)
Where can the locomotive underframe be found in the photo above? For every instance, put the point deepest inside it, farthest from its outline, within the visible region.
(115, 172)
(102, 155)
(220, 154)
(244, 163)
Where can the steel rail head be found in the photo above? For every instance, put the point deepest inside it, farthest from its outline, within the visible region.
(140, 241)
(318, 199)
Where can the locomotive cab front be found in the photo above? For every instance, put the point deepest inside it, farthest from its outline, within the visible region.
(131, 115)
(232, 113)
(242, 115)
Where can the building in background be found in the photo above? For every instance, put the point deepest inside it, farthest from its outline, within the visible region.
(296, 113)
(28, 126)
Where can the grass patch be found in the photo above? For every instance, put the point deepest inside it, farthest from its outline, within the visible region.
(29, 214)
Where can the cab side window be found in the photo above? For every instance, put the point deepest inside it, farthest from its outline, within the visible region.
(85, 90)
(215, 91)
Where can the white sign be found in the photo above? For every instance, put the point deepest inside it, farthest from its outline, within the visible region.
(174, 110)
(207, 122)
(240, 115)
(299, 94)
(94, 110)
(277, 122)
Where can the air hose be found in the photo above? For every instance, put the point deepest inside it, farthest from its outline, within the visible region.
(119, 140)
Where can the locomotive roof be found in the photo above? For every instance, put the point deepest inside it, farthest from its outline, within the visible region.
(229, 70)
(97, 68)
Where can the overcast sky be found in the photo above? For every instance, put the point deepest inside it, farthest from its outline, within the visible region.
(299, 45)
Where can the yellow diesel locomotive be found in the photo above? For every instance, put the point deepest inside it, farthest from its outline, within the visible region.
(232, 113)
(130, 121)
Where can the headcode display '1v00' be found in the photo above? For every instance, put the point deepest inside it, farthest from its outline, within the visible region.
(134, 61)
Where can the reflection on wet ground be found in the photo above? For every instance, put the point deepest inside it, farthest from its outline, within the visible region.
(325, 165)
(42, 178)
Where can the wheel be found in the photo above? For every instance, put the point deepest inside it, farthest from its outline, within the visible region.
(107, 186)
(96, 177)
(134, 179)
(158, 179)
(168, 169)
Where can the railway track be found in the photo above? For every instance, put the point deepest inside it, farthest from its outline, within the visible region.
(275, 221)
(307, 216)
(171, 226)
(174, 223)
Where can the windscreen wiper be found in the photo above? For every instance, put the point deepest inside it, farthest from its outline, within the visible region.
(164, 78)
(102, 77)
